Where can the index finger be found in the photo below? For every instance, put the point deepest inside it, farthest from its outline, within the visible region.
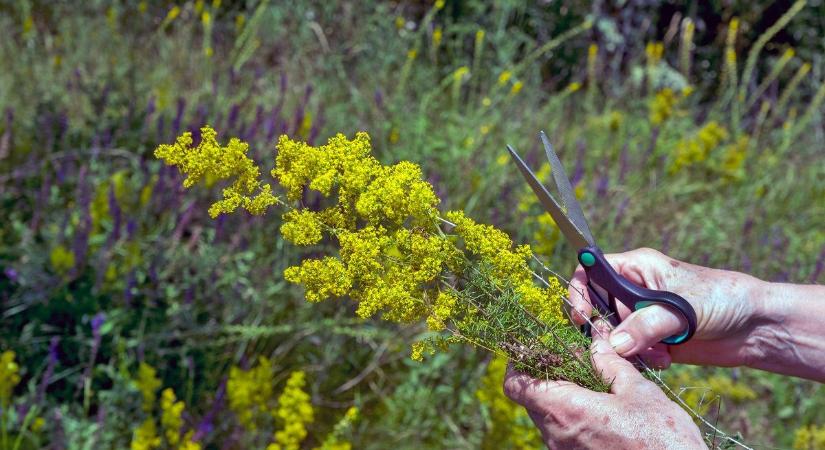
(580, 306)
(542, 396)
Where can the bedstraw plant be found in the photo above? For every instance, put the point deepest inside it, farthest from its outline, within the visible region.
(398, 256)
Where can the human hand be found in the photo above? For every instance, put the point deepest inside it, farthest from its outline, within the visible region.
(635, 414)
(728, 314)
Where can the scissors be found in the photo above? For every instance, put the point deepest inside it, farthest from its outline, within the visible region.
(604, 284)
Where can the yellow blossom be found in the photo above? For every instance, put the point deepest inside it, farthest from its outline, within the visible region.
(697, 148)
(504, 77)
(249, 392)
(811, 437)
(171, 411)
(301, 227)
(209, 158)
(9, 377)
(294, 412)
(441, 310)
(662, 105)
(147, 383)
(145, 437)
(321, 278)
(62, 259)
(573, 87)
(516, 88)
(437, 36)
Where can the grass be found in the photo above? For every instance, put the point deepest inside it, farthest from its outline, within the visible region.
(194, 297)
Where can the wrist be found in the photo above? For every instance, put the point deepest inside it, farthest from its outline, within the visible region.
(765, 324)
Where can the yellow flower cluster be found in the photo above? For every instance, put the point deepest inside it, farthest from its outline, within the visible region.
(733, 158)
(147, 383)
(62, 259)
(344, 162)
(661, 107)
(698, 148)
(509, 425)
(393, 258)
(510, 265)
(301, 227)
(321, 278)
(810, 437)
(294, 412)
(9, 377)
(145, 436)
(249, 392)
(170, 419)
(210, 159)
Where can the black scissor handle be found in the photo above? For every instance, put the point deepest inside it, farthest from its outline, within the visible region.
(601, 273)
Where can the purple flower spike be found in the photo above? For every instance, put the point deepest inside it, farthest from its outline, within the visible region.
(49, 372)
(11, 274)
(97, 321)
(602, 185)
(578, 171)
(179, 116)
(379, 98)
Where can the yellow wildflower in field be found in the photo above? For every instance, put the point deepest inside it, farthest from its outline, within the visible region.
(294, 413)
(9, 377)
(62, 259)
(662, 105)
(301, 227)
(209, 158)
(321, 278)
(145, 437)
(148, 384)
(397, 193)
(249, 392)
(395, 257)
(809, 437)
(438, 34)
(733, 158)
(509, 426)
(697, 148)
(171, 420)
(504, 77)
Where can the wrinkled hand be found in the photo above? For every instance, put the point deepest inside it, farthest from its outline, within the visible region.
(727, 312)
(635, 414)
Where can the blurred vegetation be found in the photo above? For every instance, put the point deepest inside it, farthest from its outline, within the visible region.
(693, 129)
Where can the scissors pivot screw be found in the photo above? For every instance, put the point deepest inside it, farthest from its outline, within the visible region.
(587, 259)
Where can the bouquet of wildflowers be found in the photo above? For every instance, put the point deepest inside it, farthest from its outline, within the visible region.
(398, 257)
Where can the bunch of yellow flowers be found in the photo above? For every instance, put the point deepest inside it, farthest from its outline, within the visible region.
(396, 255)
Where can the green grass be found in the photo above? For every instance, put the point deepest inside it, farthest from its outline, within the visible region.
(88, 91)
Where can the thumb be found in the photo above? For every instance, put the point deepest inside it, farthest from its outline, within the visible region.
(644, 328)
(614, 369)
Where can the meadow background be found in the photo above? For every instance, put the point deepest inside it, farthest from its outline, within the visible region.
(131, 318)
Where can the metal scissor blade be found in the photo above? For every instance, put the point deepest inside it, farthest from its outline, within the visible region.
(573, 235)
(568, 196)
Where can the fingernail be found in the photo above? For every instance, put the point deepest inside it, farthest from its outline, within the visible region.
(621, 342)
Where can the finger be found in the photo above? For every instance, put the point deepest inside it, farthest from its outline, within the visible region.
(614, 369)
(580, 305)
(541, 396)
(644, 328)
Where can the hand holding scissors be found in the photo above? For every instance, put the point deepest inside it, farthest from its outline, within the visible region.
(604, 284)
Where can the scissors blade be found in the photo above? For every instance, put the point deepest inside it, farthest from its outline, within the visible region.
(573, 235)
(568, 196)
